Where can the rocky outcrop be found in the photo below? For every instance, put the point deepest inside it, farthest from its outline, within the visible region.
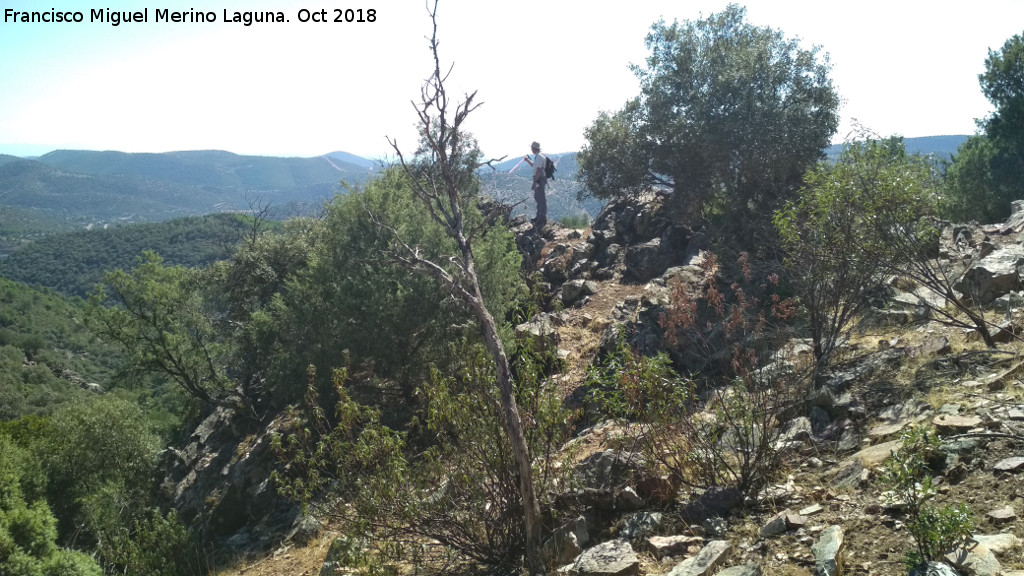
(220, 483)
(633, 239)
(993, 276)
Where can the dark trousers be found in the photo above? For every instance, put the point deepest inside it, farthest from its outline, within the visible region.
(542, 202)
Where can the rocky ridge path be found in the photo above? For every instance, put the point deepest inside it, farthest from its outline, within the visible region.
(826, 515)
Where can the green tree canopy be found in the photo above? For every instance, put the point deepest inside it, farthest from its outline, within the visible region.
(354, 298)
(988, 171)
(163, 321)
(728, 113)
(836, 234)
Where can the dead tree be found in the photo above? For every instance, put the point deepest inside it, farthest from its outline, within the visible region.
(440, 188)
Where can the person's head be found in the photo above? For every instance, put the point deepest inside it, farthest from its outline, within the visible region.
(535, 147)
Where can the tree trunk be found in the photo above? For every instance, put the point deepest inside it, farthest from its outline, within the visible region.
(520, 451)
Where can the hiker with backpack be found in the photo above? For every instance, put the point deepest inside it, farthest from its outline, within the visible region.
(543, 168)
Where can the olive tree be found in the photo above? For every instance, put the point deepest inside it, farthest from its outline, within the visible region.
(729, 116)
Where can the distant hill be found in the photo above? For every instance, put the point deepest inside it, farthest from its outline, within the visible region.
(353, 159)
(74, 262)
(211, 168)
(77, 188)
(942, 147)
(84, 188)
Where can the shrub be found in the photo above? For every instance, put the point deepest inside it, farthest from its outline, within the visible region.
(833, 255)
(92, 446)
(906, 472)
(578, 221)
(726, 435)
(726, 440)
(461, 491)
(353, 287)
(28, 531)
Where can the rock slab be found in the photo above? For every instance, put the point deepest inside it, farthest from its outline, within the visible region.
(706, 561)
(612, 558)
(827, 552)
(1013, 465)
(974, 559)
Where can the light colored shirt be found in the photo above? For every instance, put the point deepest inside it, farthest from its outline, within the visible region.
(538, 163)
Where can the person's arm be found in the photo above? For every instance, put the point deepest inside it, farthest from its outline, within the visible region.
(528, 161)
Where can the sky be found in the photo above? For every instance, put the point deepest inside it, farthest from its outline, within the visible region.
(542, 70)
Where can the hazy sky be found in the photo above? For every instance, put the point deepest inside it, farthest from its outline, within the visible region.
(543, 70)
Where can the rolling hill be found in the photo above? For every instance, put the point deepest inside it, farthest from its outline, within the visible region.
(84, 188)
(77, 189)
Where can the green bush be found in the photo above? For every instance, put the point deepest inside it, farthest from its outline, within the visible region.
(354, 287)
(28, 530)
(461, 491)
(71, 563)
(578, 222)
(90, 446)
(834, 253)
(906, 472)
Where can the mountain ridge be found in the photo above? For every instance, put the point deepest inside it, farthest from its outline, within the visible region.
(85, 187)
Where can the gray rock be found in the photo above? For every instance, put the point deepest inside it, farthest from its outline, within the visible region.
(1009, 302)
(828, 552)
(960, 446)
(646, 261)
(873, 456)
(848, 474)
(775, 526)
(909, 410)
(796, 430)
(1004, 514)
(934, 569)
(952, 423)
(974, 559)
(998, 543)
(811, 510)
(819, 420)
(640, 525)
(993, 276)
(662, 546)
(628, 500)
(540, 333)
(751, 569)
(563, 547)
(304, 530)
(782, 522)
(704, 563)
(613, 558)
(574, 290)
(1012, 465)
(609, 469)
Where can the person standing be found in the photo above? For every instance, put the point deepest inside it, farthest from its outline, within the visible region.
(540, 181)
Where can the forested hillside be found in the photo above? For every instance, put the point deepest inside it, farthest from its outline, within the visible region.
(81, 188)
(47, 354)
(74, 262)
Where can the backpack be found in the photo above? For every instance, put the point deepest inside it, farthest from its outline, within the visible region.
(549, 168)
